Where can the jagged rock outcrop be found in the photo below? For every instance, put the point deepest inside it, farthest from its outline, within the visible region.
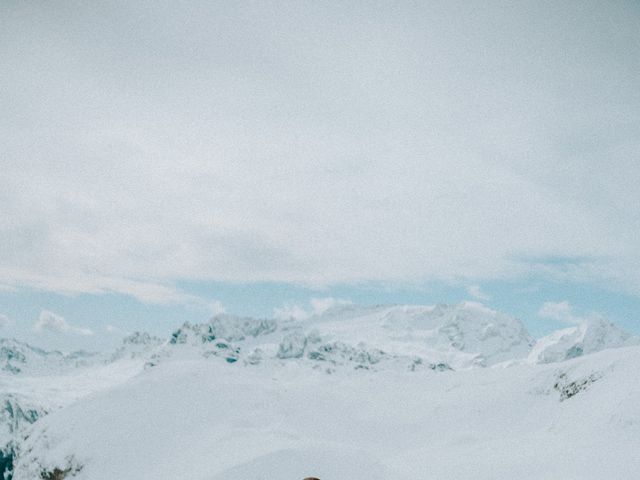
(137, 345)
(17, 415)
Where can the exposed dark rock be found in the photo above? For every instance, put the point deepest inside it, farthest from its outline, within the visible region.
(6, 463)
(569, 388)
(61, 473)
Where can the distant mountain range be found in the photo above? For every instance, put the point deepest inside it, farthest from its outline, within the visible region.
(49, 398)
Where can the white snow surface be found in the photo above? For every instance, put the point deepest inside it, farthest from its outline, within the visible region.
(388, 392)
(210, 420)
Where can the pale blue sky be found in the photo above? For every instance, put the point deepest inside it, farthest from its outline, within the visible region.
(109, 316)
(156, 155)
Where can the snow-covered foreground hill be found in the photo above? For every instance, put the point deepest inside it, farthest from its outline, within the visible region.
(357, 393)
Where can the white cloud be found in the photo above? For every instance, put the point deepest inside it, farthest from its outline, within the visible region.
(5, 321)
(216, 307)
(143, 290)
(321, 305)
(559, 311)
(49, 321)
(116, 331)
(414, 158)
(288, 311)
(565, 313)
(317, 306)
(476, 292)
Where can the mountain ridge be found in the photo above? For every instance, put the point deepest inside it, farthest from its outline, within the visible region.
(385, 340)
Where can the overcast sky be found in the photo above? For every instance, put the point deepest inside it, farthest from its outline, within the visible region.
(148, 146)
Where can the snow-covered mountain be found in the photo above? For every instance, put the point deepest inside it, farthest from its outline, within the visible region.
(138, 345)
(464, 335)
(35, 382)
(24, 373)
(18, 412)
(20, 358)
(588, 337)
(356, 392)
(460, 336)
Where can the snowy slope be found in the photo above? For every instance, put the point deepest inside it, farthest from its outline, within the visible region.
(36, 382)
(358, 392)
(216, 421)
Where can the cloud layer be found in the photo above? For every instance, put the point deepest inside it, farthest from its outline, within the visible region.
(564, 312)
(317, 143)
(317, 306)
(51, 322)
